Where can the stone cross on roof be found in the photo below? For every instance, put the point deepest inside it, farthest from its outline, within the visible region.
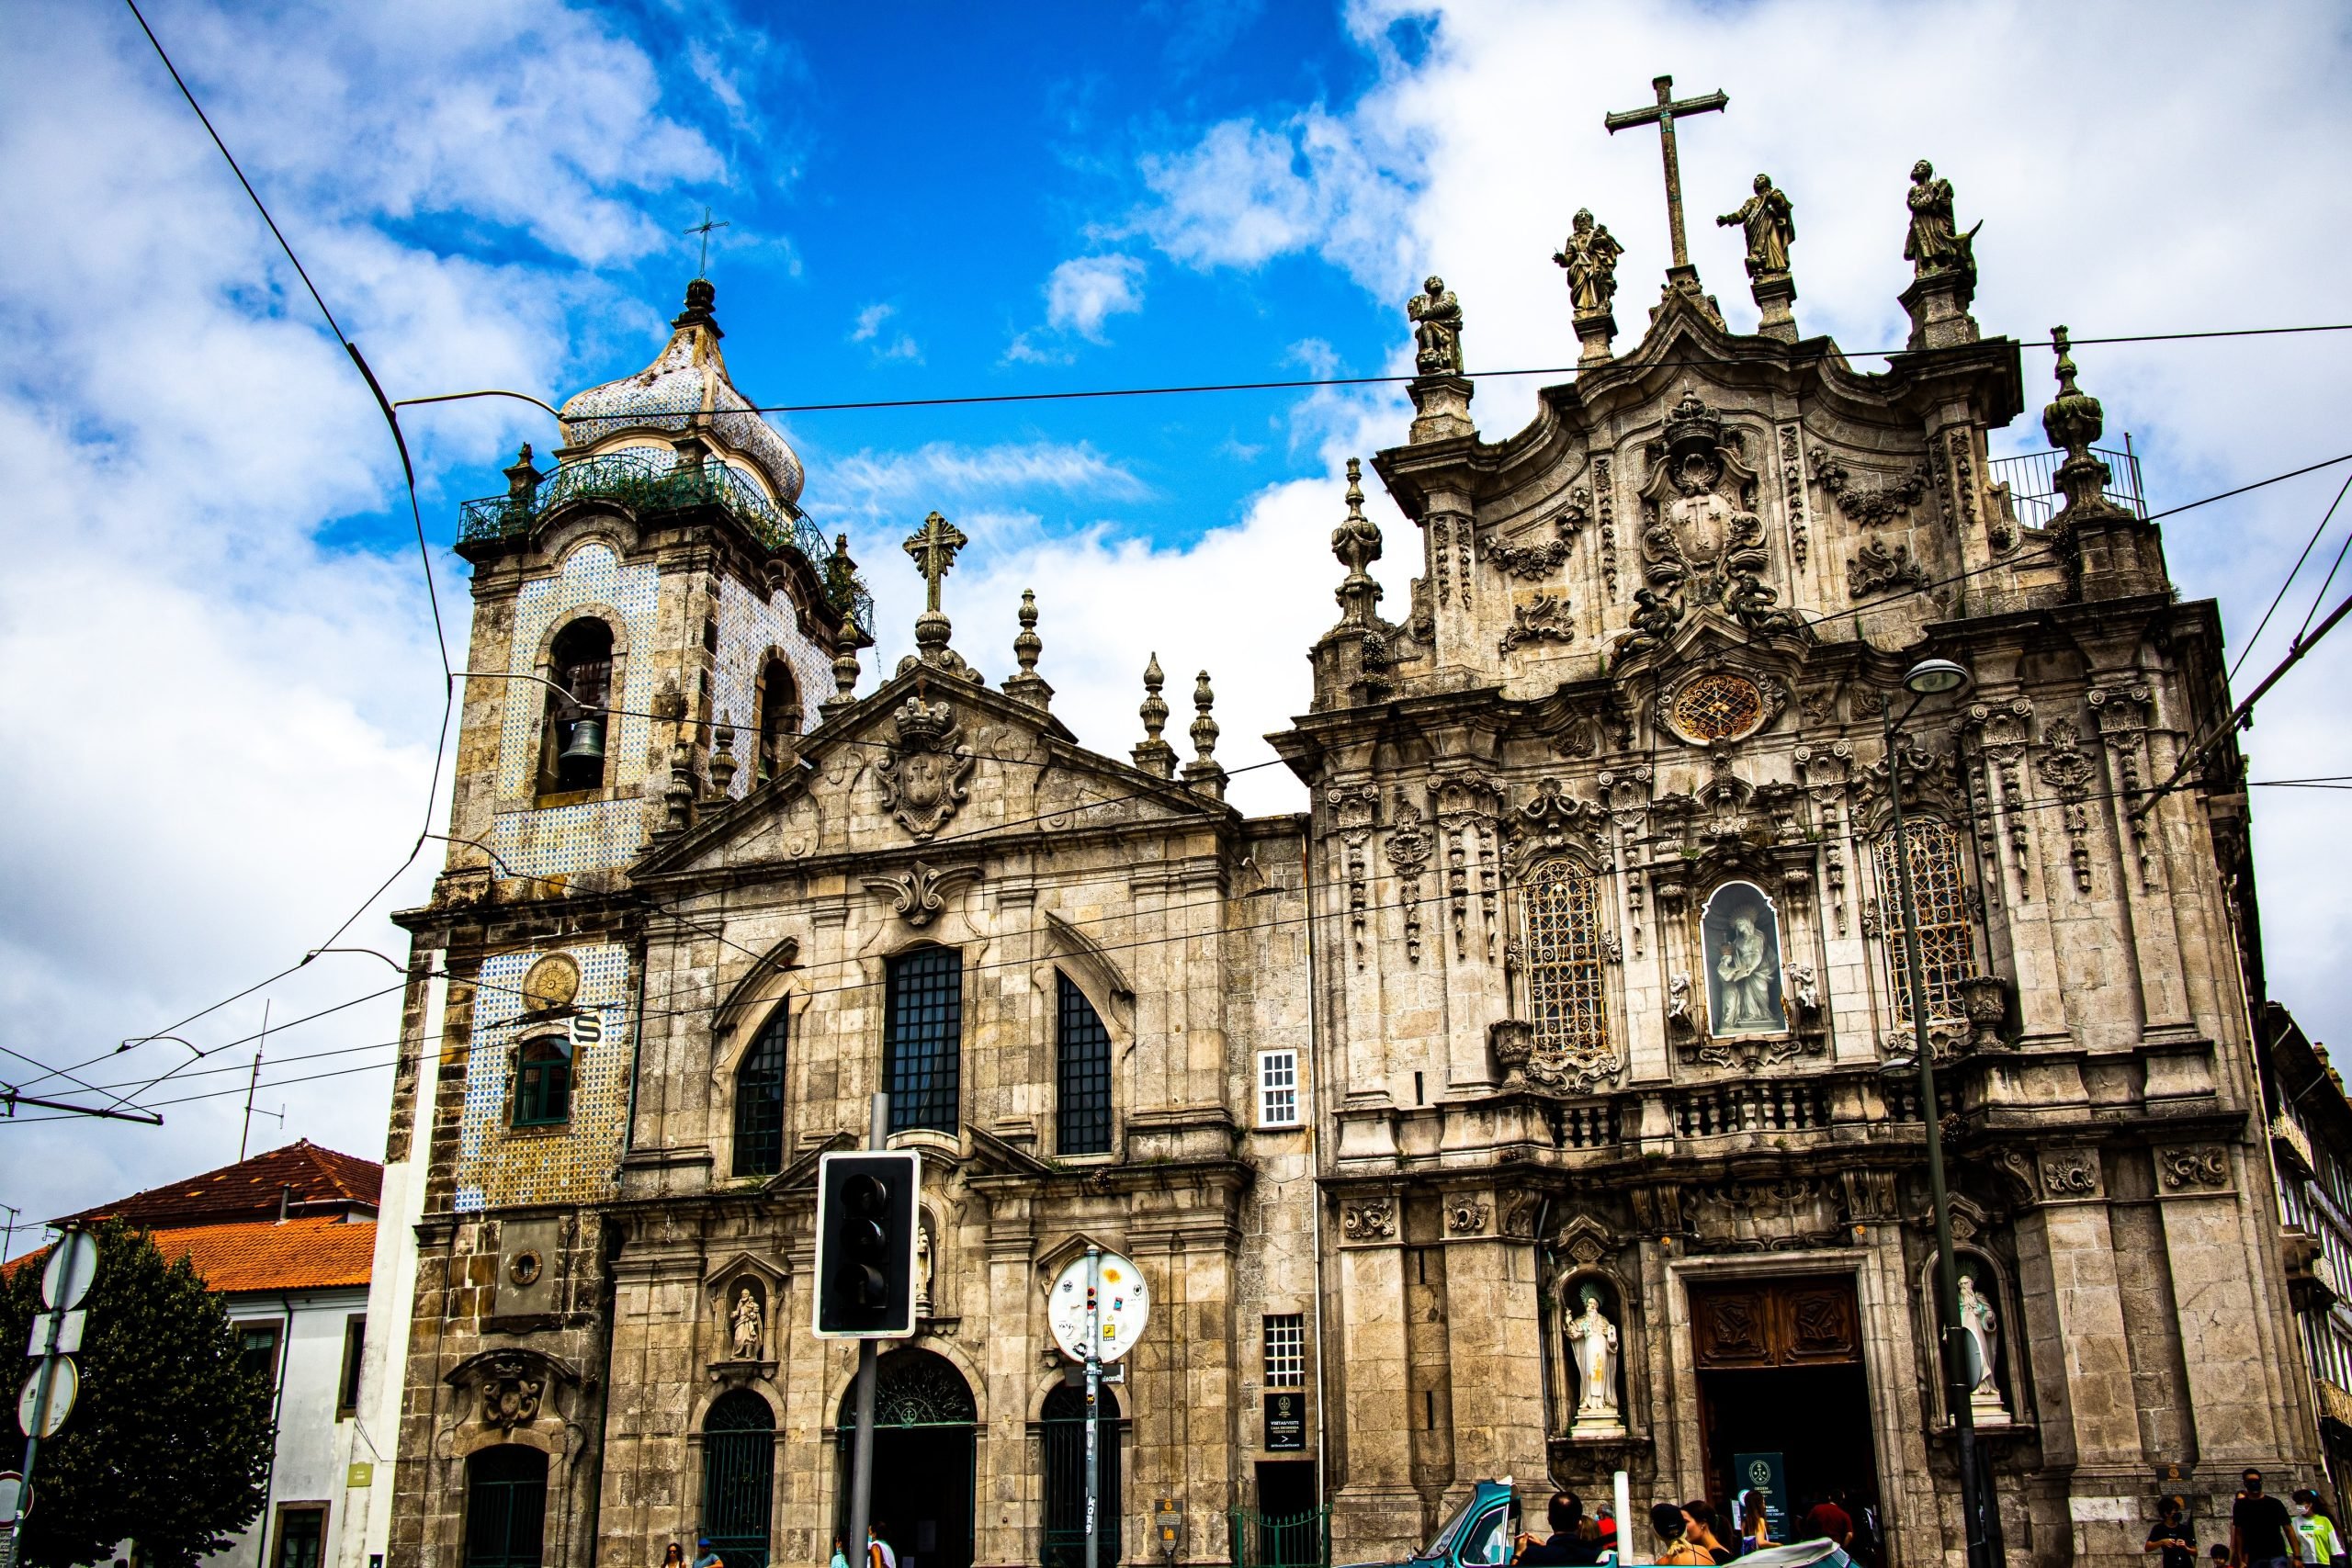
(1662, 115)
(933, 547)
(703, 228)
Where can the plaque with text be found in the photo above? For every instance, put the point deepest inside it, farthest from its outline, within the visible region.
(1286, 1421)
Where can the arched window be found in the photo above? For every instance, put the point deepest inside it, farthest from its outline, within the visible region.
(580, 662)
(1945, 954)
(739, 1477)
(779, 718)
(923, 1038)
(506, 1507)
(1565, 999)
(759, 1099)
(1081, 1075)
(1062, 1422)
(543, 1082)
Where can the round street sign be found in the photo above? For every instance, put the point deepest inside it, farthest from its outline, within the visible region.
(12, 1497)
(64, 1382)
(73, 1264)
(1125, 1307)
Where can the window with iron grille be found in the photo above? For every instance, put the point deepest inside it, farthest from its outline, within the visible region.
(1285, 1349)
(1944, 947)
(759, 1099)
(1081, 1075)
(1277, 1088)
(1561, 906)
(924, 1029)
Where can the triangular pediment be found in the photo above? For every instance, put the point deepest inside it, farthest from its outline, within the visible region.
(931, 760)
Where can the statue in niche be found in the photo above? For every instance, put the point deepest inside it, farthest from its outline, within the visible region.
(1593, 1345)
(1984, 1332)
(1437, 329)
(1935, 243)
(1590, 254)
(922, 1270)
(1769, 223)
(1743, 955)
(744, 1342)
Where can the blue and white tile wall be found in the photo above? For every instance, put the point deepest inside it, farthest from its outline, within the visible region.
(749, 626)
(500, 1166)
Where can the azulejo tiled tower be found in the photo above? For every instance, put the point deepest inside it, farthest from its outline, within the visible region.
(1520, 1109)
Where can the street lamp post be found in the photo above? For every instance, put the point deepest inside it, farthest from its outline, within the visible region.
(1929, 678)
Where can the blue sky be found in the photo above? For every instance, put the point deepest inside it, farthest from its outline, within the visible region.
(218, 731)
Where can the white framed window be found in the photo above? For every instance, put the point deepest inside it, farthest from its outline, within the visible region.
(1278, 1088)
(1285, 1349)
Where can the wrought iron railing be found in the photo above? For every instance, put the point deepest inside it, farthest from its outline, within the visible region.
(1299, 1540)
(2032, 482)
(644, 480)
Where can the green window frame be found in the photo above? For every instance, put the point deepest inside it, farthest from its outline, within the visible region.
(543, 1082)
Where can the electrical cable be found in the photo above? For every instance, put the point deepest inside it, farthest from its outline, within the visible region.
(2276, 598)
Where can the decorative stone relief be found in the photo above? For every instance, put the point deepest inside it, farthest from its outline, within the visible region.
(1466, 1216)
(1962, 446)
(2206, 1164)
(1870, 505)
(1409, 853)
(1373, 1220)
(1626, 793)
(1700, 536)
(2071, 1173)
(1720, 704)
(1792, 496)
(1545, 619)
(1553, 819)
(510, 1387)
(2065, 768)
(2121, 714)
(1352, 808)
(919, 893)
(1535, 562)
(1467, 803)
(1879, 568)
(925, 769)
(2003, 730)
(1605, 499)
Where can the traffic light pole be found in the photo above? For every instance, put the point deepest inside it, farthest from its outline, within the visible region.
(1093, 1397)
(861, 1484)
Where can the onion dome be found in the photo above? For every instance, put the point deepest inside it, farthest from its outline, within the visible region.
(686, 389)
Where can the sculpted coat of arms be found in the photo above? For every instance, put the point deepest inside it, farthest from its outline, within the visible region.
(926, 771)
(1702, 540)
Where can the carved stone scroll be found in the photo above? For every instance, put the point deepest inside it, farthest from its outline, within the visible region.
(1408, 854)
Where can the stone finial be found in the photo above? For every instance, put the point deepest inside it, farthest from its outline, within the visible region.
(679, 797)
(2108, 550)
(1356, 541)
(1155, 755)
(722, 758)
(1202, 773)
(522, 479)
(844, 695)
(933, 547)
(1028, 685)
(2073, 421)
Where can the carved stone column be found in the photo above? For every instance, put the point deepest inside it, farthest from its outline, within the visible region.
(1376, 1514)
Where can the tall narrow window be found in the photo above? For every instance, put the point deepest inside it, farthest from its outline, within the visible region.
(779, 718)
(1081, 1075)
(924, 1034)
(301, 1530)
(1564, 998)
(580, 662)
(355, 1344)
(759, 1099)
(1944, 955)
(1278, 1088)
(1285, 1349)
(543, 1082)
(257, 1350)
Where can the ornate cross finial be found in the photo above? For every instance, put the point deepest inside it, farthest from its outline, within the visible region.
(933, 547)
(703, 228)
(1662, 115)
(1155, 755)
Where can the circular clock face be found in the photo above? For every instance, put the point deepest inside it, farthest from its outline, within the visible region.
(1122, 1306)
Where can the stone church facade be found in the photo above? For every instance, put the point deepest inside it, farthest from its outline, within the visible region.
(1568, 995)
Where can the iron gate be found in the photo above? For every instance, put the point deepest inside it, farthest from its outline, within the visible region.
(506, 1507)
(1062, 1423)
(1292, 1540)
(738, 1478)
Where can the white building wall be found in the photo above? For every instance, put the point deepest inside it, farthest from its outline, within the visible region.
(313, 1447)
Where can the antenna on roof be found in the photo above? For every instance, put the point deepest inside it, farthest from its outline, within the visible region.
(254, 1082)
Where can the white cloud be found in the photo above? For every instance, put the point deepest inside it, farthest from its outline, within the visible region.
(868, 330)
(1084, 291)
(942, 470)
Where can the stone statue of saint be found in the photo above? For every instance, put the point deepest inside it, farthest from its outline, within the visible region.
(1437, 329)
(1769, 220)
(1935, 243)
(1746, 977)
(922, 1270)
(1984, 1336)
(746, 1320)
(1590, 254)
(1592, 1341)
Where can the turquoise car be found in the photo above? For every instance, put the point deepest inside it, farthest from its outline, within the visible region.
(1480, 1535)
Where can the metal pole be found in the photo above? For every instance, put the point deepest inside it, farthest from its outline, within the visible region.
(13, 1551)
(245, 1131)
(861, 1475)
(1983, 1542)
(1093, 1394)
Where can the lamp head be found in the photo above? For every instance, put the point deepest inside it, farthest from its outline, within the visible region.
(1931, 676)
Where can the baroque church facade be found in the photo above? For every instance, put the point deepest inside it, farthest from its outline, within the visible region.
(1517, 1108)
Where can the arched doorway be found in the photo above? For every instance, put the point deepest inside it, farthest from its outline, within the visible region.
(924, 1423)
(506, 1507)
(738, 1477)
(1063, 1423)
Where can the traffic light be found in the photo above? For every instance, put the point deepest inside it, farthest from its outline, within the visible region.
(866, 1221)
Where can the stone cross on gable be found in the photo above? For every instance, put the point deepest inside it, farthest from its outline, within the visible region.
(703, 228)
(933, 547)
(1662, 115)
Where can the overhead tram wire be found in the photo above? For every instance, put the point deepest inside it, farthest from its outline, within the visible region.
(2279, 597)
(1307, 383)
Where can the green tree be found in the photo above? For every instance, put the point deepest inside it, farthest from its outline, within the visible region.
(170, 1442)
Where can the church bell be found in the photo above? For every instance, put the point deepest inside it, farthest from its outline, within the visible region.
(586, 747)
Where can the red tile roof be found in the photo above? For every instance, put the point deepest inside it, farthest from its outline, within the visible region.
(321, 1182)
(314, 1254)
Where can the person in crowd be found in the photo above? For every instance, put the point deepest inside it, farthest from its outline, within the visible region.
(1755, 1521)
(705, 1556)
(2322, 1545)
(841, 1555)
(1673, 1549)
(1826, 1521)
(673, 1556)
(1573, 1543)
(2261, 1535)
(1605, 1533)
(1699, 1529)
(2170, 1536)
